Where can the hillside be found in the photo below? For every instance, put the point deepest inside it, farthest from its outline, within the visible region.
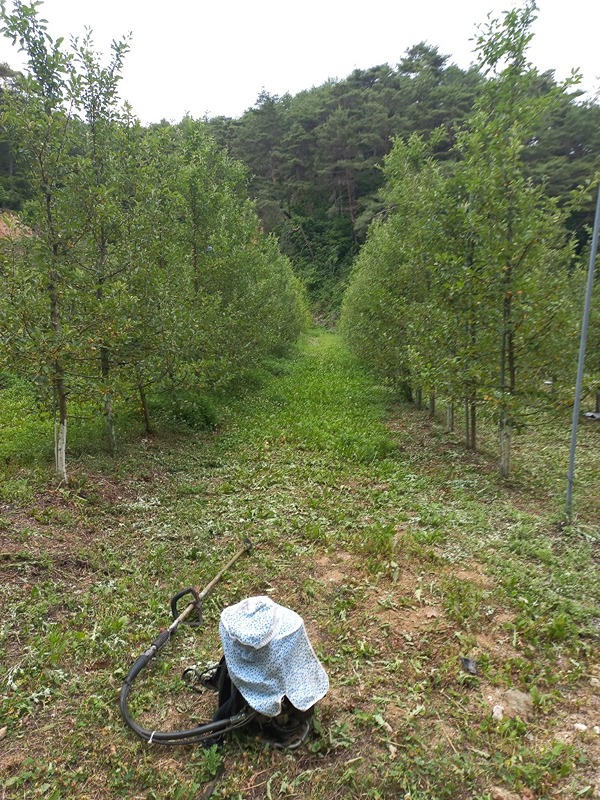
(315, 158)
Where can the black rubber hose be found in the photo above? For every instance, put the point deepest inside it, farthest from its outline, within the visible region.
(191, 736)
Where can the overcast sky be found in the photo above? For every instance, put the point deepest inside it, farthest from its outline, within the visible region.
(201, 57)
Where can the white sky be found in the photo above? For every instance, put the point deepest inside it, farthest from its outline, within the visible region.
(208, 57)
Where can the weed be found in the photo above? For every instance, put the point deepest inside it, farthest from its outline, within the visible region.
(377, 541)
(334, 737)
(18, 491)
(186, 410)
(538, 771)
(462, 601)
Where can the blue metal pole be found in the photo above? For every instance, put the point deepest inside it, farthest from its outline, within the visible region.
(582, 345)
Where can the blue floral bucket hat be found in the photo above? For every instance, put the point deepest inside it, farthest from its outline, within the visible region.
(269, 656)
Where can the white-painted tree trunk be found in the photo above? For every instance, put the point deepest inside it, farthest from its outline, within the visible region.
(60, 451)
(450, 417)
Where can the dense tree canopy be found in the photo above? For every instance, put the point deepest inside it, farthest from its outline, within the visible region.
(128, 215)
(145, 269)
(315, 158)
(13, 189)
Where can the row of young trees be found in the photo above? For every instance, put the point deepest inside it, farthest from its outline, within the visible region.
(142, 264)
(467, 290)
(314, 159)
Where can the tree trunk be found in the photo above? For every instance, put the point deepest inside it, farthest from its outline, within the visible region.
(508, 372)
(467, 426)
(144, 402)
(419, 398)
(60, 426)
(432, 405)
(473, 424)
(195, 268)
(60, 389)
(450, 417)
(508, 385)
(505, 446)
(598, 402)
(109, 425)
(109, 418)
(305, 237)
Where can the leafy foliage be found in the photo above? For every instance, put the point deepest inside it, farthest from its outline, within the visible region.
(145, 268)
(315, 158)
(466, 290)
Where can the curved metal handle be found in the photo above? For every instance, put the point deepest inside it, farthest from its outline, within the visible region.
(197, 601)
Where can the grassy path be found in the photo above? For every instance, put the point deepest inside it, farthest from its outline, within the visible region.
(402, 553)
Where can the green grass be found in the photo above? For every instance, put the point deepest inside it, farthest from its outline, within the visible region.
(403, 552)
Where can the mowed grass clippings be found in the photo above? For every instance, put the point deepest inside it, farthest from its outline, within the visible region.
(433, 594)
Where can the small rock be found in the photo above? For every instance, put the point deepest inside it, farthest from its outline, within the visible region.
(597, 729)
(580, 726)
(498, 712)
(518, 704)
(594, 681)
(469, 665)
(3, 732)
(498, 793)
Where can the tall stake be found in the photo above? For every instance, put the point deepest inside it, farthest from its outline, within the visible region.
(582, 345)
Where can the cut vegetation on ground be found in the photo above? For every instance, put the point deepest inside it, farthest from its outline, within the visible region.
(457, 620)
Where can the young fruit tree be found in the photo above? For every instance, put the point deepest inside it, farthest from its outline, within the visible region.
(521, 251)
(40, 298)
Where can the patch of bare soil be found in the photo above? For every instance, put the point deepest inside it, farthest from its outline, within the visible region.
(334, 569)
(51, 537)
(579, 722)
